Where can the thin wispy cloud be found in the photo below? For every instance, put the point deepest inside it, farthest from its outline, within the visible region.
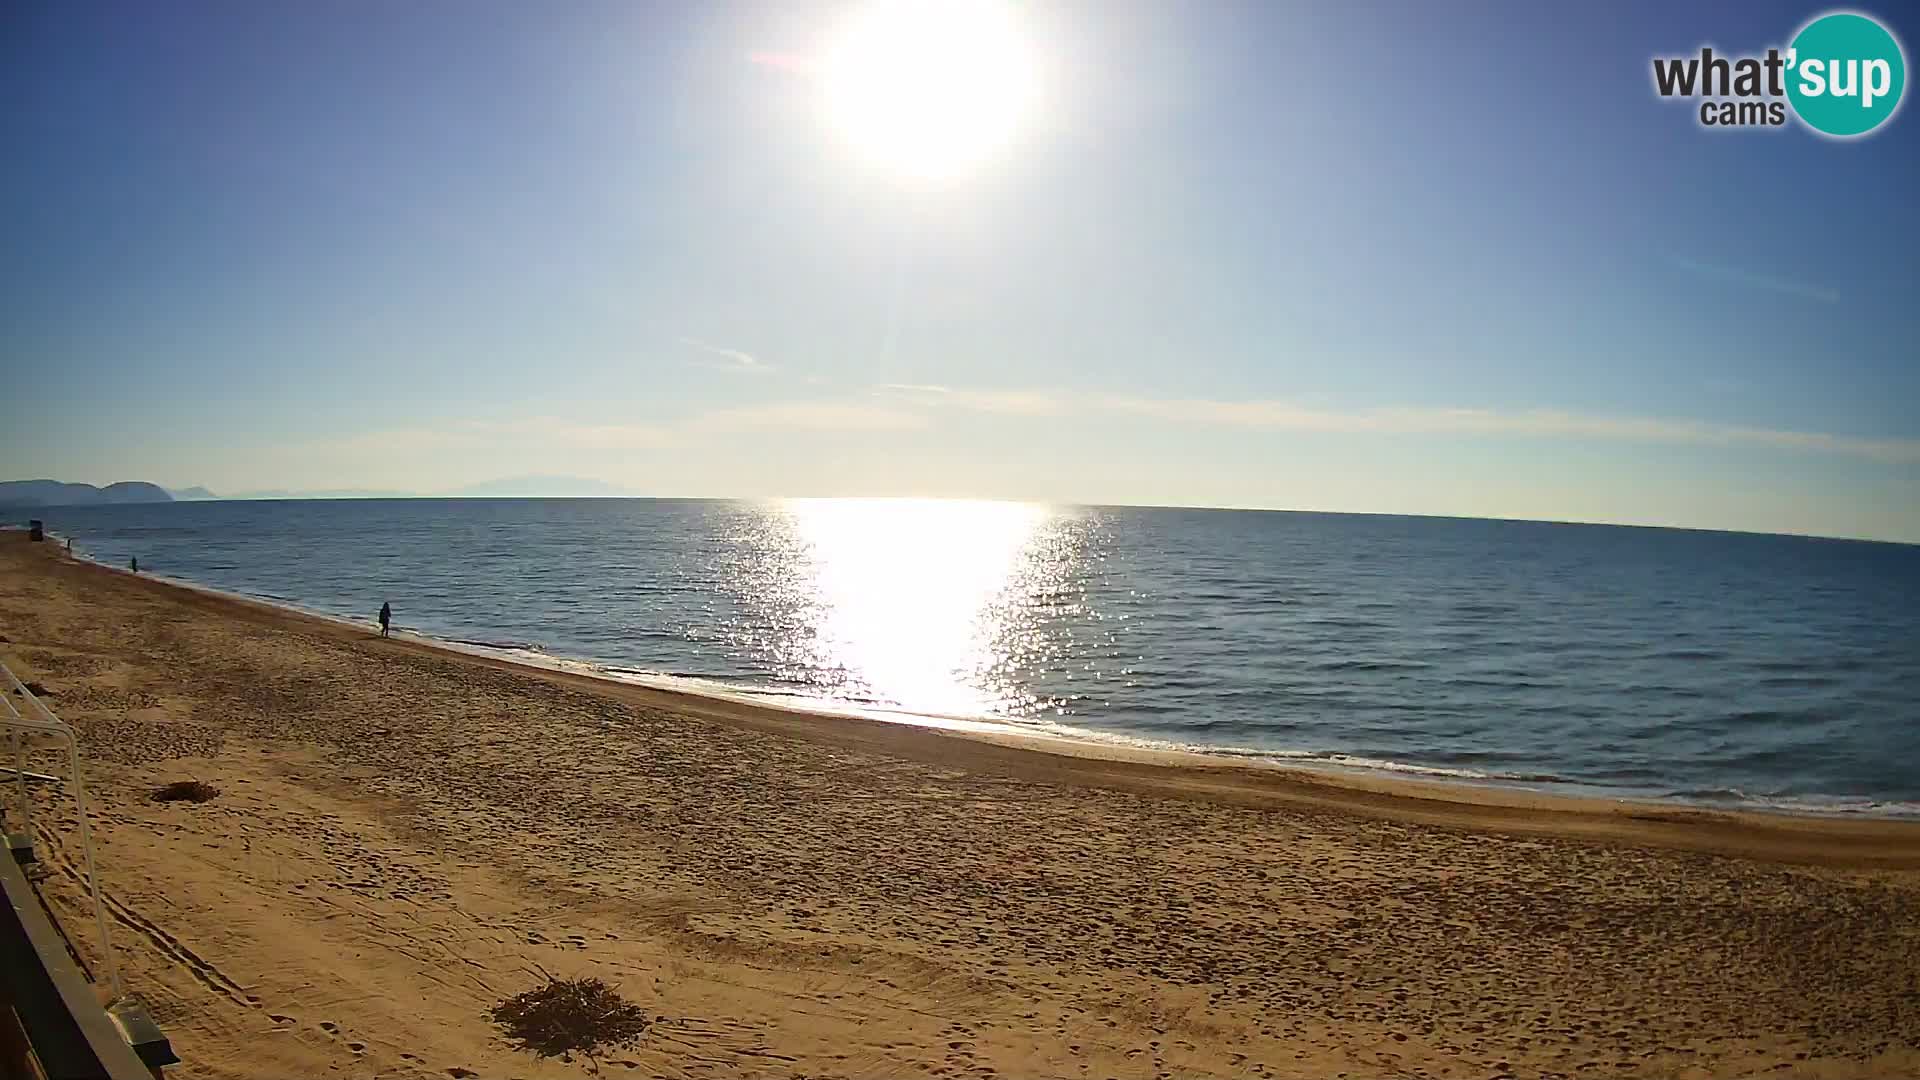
(1540, 423)
(1735, 275)
(463, 436)
(806, 416)
(1014, 402)
(480, 434)
(888, 412)
(1546, 423)
(726, 359)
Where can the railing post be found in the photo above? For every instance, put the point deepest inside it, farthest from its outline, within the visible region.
(93, 884)
(60, 729)
(19, 845)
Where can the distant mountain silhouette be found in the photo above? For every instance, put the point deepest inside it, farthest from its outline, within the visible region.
(56, 493)
(323, 493)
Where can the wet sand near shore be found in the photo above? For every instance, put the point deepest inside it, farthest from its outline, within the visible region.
(405, 836)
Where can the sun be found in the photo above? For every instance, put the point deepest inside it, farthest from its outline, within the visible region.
(930, 89)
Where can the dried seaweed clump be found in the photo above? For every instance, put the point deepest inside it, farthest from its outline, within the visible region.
(186, 791)
(570, 1016)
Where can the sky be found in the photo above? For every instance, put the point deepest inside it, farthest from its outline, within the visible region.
(1402, 258)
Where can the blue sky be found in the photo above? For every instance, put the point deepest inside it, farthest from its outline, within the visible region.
(1396, 258)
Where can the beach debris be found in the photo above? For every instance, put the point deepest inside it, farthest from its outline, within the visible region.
(37, 690)
(570, 1016)
(197, 791)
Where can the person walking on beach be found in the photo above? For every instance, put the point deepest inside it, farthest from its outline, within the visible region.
(386, 617)
(136, 564)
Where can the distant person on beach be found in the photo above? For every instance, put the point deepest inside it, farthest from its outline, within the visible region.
(386, 617)
(136, 564)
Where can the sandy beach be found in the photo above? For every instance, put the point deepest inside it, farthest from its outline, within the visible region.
(405, 836)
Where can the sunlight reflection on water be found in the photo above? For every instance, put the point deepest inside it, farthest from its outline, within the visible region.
(924, 603)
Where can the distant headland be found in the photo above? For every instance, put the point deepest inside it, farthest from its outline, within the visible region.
(56, 493)
(22, 493)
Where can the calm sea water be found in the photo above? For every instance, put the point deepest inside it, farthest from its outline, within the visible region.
(1701, 666)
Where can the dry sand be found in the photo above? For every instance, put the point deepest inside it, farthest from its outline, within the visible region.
(406, 836)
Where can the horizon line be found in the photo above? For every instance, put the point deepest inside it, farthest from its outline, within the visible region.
(452, 497)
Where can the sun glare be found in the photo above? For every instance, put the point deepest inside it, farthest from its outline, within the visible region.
(929, 88)
(927, 639)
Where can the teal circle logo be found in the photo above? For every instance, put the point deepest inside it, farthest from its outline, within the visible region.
(1845, 74)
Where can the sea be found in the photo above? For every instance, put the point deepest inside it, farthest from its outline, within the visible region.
(1700, 667)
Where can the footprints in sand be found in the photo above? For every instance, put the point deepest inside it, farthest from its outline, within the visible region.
(327, 1027)
(569, 941)
(358, 1048)
(960, 1057)
(335, 1032)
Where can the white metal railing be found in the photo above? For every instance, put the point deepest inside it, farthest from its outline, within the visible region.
(47, 723)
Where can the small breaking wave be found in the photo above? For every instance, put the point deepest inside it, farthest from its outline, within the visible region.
(503, 646)
(1797, 804)
(1356, 761)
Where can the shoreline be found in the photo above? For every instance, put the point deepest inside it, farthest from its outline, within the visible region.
(1835, 838)
(1086, 741)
